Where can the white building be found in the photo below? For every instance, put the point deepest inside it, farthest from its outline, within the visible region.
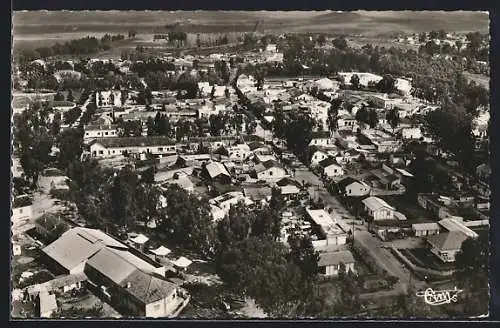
(100, 131)
(109, 147)
(221, 205)
(22, 208)
(270, 171)
(411, 133)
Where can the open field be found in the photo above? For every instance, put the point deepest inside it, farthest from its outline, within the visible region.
(28, 27)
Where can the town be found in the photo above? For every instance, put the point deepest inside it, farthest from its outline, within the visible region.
(262, 175)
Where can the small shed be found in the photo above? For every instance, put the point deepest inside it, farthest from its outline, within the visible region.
(161, 252)
(182, 263)
(140, 241)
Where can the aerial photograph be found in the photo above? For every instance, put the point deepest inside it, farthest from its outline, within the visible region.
(250, 165)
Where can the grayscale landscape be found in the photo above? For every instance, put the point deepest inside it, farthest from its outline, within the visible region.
(242, 165)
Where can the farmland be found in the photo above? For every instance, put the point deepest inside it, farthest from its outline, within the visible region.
(33, 30)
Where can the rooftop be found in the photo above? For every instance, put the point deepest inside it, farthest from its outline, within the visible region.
(335, 258)
(447, 241)
(134, 142)
(375, 203)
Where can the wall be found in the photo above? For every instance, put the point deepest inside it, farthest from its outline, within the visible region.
(22, 212)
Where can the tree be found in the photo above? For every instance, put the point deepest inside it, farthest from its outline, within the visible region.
(340, 43)
(122, 191)
(355, 81)
(187, 221)
(70, 145)
(387, 84)
(393, 118)
(279, 123)
(59, 96)
(304, 256)
(321, 40)
(70, 97)
(372, 118)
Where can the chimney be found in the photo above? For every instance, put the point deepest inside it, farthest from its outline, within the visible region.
(129, 284)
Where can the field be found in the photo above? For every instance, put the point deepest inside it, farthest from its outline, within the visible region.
(34, 29)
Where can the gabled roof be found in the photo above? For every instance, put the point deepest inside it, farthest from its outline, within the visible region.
(447, 241)
(267, 165)
(161, 251)
(335, 258)
(215, 169)
(256, 145)
(327, 162)
(77, 245)
(257, 192)
(342, 184)
(320, 135)
(374, 203)
(147, 288)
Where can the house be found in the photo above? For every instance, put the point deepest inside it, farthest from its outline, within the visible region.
(270, 171)
(326, 84)
(289, 192)
(139, 241)
(457, 225)
(347, 122)
(347, 139)
(384, 179)
(351, 187)
(425, 229)
(446, 245)
(183, 182)
(161, 253)
(378, 209)
(383, 142)
(108, 147)
(321, 139)
(257, 147)
(130, 289)
(258, 193)
(163, 176)
(239, 152)
(411, 133)
(22, 208)
(47, 304)
(483, 171)
(221, 205)
(318, 156)
(109, 98)
(330, 263)
(333, 234)
(330, 168)
(217, 172)
(100, 131)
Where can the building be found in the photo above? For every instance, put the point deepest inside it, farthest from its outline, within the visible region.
(325, 84)
(378, 209)
(330, 168)
(270, 171)
(47, 304)
(129, 280)
(383, 142)
(446, 245)
(258, 193)
(321, 139)
(22, 208)
(221, 205)
(347, 122)
(351, 187)
(109, 147)
(69, 253)
(411, 133)
(330, 263)
(216, 171)
(318, 156)
(100, 131)
(130, 289)
(327, 226)
(425, 229)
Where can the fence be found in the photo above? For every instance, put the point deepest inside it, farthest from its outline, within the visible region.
(417, 269)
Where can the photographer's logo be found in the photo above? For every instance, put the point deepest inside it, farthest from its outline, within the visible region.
(440, 297)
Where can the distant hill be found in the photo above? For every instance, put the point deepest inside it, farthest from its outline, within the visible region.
(360, 22)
